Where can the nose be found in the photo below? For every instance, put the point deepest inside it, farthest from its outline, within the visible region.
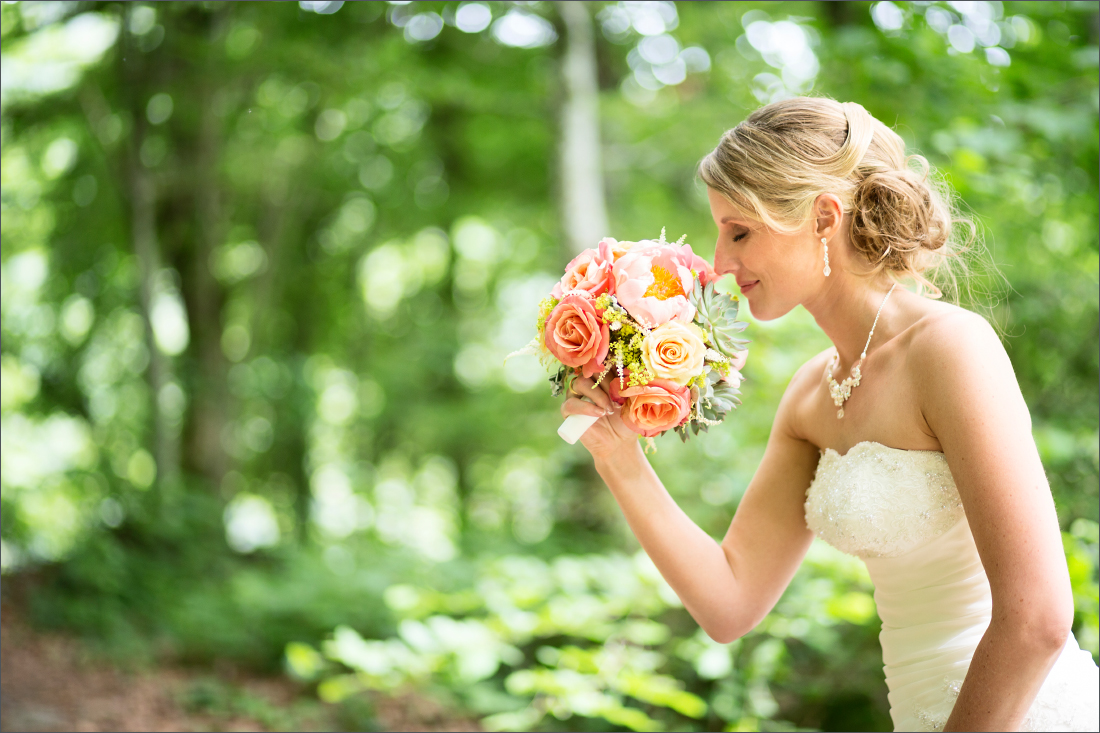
(723, 260)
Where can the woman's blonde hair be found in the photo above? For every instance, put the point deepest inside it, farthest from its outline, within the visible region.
(902, 217)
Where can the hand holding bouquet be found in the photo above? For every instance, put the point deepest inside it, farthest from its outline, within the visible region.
(643, 320)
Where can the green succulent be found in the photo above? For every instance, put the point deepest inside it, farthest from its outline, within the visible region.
(716, 399)
(716, 313)
(723, 398)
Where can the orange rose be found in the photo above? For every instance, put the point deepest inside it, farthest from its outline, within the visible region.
(576, 334)
(656, 407)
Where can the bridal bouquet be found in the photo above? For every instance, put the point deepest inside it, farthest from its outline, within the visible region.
(644, 318)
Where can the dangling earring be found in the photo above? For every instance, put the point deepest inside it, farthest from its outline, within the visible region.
(827, 268)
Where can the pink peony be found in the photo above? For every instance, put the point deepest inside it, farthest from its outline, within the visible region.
(576, 334)
(589, 271)
(654, 408)
(733, 378)
(736, 365)
(701, 266)
(653, 281)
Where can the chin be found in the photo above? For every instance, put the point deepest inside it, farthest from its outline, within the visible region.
(762, 311)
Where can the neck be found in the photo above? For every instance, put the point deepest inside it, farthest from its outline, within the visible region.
(845, 310)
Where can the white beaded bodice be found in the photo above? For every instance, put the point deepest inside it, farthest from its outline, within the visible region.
(876, 501)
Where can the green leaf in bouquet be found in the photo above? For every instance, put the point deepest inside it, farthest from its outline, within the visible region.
(558, 383)
(716, 313)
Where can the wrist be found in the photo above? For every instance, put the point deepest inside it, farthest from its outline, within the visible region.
(623, 458)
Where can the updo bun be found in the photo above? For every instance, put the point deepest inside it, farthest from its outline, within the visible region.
(901, 218)
(895, 215)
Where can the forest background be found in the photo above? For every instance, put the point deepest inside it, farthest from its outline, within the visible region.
(262, 263)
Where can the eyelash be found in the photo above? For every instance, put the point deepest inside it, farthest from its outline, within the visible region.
(739, 237)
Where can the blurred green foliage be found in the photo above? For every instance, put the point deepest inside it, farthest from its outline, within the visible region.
(261, 265)
(577, 635)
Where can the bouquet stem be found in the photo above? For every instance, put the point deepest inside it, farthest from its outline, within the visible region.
(575, 426)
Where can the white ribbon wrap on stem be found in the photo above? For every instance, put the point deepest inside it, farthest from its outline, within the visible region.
(575, 426)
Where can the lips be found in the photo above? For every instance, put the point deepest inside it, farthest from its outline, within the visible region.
(747, 286)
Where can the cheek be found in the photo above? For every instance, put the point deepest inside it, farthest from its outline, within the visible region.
(777, 262)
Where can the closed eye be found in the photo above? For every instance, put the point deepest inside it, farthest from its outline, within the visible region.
(739, 237)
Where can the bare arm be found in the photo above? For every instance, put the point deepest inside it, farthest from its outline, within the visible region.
(729, 587)
(972, 403)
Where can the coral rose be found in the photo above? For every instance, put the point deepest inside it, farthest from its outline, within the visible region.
(613, 382)
(589, 271)
(656, 407)
(675, 351)
(652, 282)
(576, 334)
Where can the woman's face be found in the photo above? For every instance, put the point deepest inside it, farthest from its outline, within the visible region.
(775, 271)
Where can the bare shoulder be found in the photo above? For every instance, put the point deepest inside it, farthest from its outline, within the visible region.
(810, 373)
(958, 365)
(802, 391)
(950, 337)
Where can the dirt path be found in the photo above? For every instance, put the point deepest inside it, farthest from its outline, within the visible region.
(51, 682)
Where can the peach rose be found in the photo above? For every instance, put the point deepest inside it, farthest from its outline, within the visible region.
(675, 351)
(576, 334)
(656, 407)
(589, 271)
(618, 249)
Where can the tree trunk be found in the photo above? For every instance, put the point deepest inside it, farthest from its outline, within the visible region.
(209, 404)
(209, 413)
(142, 190)
(584, 209)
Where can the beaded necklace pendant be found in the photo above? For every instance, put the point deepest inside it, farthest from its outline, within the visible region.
(842, 391)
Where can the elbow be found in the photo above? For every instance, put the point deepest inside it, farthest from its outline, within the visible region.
(727, 634)
(1047, 631)
(1052, 632)
(1053, 627)
(723, 637)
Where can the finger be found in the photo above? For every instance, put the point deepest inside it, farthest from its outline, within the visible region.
(577, 383)
(586, 388)
(577, 406)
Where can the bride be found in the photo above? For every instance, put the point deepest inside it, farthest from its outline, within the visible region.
(907, 444)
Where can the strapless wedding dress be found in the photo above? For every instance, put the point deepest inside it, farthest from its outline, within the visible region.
(899, 512)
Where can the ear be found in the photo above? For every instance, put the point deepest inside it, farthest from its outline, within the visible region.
(828, 214)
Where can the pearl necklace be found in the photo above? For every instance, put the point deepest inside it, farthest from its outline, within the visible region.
(841, 392)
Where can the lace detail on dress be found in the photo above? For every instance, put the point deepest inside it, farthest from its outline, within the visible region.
(935, 719)
(877, 501)
(1066, 701)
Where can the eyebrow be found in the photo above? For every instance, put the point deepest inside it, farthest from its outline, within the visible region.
(726, 219)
